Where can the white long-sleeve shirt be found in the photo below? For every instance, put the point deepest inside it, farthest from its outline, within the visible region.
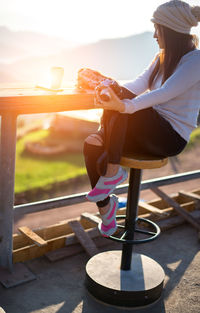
(177, 100)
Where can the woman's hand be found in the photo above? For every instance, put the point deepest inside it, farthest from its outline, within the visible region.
(113, 104)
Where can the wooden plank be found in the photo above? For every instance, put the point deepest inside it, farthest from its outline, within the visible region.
(93, 233)
(63, 253)
(20, 241)
(33, 236)
(33, 251)
(73, 247)
(72, 239)
(62, 228)
(84, 238)
(93, 219)
(89, 220)
(76, 248)
(37, 103)
(47, 233)
(197, 191)
(189, 195)
(152, 209)
(30, 251)
(175, 221)
(60, 235)
(161, 204)
(177, 207)
(190, 206)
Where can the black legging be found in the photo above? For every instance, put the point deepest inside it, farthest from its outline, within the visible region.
(144, 131)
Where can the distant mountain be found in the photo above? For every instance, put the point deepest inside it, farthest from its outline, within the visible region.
(21, 44)
(121, 58)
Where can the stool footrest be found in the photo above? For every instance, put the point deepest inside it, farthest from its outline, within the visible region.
(122, 239)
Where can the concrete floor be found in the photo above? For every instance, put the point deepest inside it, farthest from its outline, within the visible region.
(59, 286)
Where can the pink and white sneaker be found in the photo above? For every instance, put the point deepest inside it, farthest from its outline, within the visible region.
(108, 225)
(106, 185)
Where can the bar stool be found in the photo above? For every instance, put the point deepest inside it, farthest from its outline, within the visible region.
(121, 277)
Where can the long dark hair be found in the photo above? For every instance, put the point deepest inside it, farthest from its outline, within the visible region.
(175, 46)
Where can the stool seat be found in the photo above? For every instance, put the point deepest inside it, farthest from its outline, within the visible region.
(142, 161)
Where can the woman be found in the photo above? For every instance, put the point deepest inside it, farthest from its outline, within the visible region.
(161, 114)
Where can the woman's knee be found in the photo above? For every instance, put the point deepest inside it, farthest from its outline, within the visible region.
(94, 139)
(92, 146)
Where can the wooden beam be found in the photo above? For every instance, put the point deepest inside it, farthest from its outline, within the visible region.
(47, 233)
(73, 249)
(33, 236)
(189, 195)
(175, 221)
(65, 252)
(93, 219)
(177, 207)
(60, 235)
(152, 209)
(33, 251)
(72, 239)
(84, 238)
(190, 206)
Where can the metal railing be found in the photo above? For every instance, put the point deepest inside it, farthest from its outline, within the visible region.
(80, 198)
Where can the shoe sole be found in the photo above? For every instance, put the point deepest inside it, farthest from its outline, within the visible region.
(113, 229)
(109, 233)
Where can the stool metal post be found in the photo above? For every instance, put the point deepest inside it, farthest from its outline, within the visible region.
(131, 215)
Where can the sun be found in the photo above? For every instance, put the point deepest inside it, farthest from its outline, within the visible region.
(93, 115)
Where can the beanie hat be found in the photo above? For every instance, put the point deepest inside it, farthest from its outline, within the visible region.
(177, 15)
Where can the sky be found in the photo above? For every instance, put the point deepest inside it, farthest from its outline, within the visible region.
(81, 21)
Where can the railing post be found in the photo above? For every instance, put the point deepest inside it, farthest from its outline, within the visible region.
(7, 179)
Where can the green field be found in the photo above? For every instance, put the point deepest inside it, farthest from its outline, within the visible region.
(41, 171)
(194, 138)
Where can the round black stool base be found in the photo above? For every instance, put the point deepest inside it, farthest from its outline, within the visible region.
(139, 286)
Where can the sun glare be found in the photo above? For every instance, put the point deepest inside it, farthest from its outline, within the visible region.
(81, 21)
(89, 115)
